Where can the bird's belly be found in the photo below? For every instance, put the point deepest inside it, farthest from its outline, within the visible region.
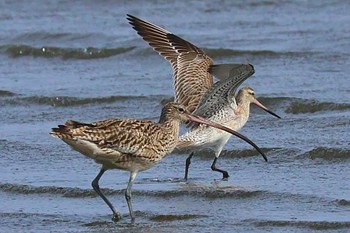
(84, 147)
(112, 159)
(206, 137)
(126, 164)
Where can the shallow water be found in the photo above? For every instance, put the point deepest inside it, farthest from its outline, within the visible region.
(77, 60)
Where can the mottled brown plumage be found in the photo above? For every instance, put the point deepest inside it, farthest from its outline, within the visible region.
(190, 64)
(128, 144)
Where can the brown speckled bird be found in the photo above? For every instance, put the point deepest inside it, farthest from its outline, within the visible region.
(129, 144)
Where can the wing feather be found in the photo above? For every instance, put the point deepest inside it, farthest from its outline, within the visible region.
(223, 91)
(122, 135)
(190, 64)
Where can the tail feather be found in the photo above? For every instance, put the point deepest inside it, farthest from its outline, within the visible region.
(76, 124)
(65, 131)
(61, 132)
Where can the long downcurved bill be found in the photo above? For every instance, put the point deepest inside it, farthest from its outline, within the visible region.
(201, 120)
(265, 108)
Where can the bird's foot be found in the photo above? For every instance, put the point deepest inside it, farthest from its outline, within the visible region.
(225, 175)
(116, 217)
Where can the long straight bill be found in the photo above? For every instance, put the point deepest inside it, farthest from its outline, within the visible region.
(201, 120)
(265, 108)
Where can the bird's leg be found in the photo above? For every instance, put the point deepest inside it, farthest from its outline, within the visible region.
(188, 162)
(116, 215)
(213, 167)
(128, 195)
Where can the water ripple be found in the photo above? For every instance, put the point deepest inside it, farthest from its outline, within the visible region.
(328, 153)
(65, 53)
(211, 192)
(67, 101)
(313, 225)
(312, 106)
(4, 93)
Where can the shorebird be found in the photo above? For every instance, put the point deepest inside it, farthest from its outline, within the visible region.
(193, 72)
(129, 144)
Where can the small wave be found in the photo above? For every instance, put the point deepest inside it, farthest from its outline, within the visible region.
(4, 93)
(224, 52)
(272, 101)
(302, 106)
(215, 191)
(343, 202)
(101, 224)
(57, 218)
(328, 153)
(184, 189)
(64, 191)
(175, 217)
(244, 153)
(314, 225)
(311, 106)
(209, 154)
(65, 53)
(66, 101)
(50, 36)
(211, 192)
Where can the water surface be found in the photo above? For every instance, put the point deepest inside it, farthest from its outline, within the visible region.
(82, 60)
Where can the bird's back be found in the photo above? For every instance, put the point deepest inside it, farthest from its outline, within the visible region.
(127, 144)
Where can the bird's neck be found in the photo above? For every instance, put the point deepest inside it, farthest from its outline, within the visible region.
(243, 108)
(173, 127)
(170, 133)
(169, 124)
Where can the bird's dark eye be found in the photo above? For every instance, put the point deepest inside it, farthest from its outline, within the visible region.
(182, 110)
(252, 93)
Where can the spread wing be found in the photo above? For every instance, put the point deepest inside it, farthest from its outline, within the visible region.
(190, 64)
(222, 92)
